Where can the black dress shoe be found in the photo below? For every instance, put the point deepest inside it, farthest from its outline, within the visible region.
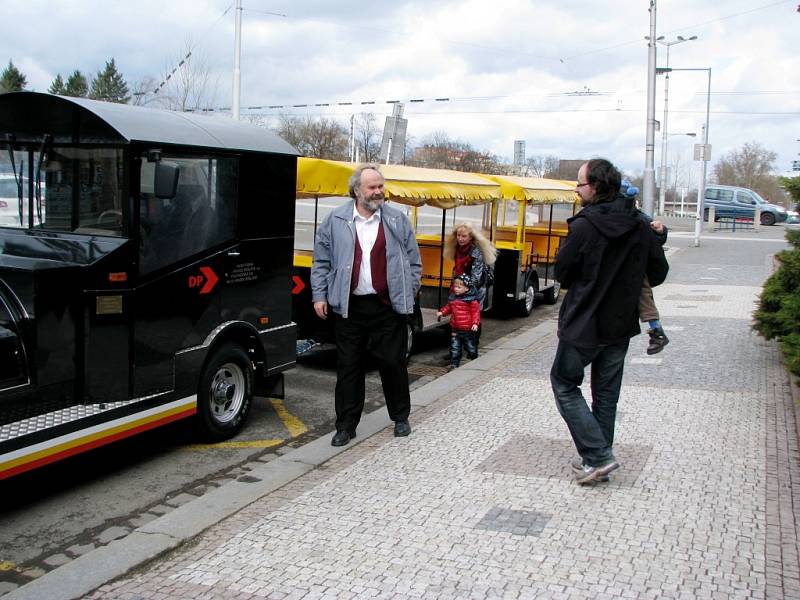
(401, 428)
(342, 438)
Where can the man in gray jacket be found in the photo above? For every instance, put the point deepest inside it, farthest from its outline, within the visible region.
(365, 276)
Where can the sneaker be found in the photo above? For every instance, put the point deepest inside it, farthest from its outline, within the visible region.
(658, 340)
(577, 468)
(590, 474)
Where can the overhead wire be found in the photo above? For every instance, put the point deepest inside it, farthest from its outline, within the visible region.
(676, 30)
(189, 52)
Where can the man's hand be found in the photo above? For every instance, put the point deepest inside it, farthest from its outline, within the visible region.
(657, 226)
(321, 308)
(474, 327)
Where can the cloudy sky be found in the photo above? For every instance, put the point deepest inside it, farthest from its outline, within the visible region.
(567, 76)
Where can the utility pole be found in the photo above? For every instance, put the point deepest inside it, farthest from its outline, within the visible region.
(706, 156)
(352, 144)
(648, 193)
(237, 58)
(662, 191)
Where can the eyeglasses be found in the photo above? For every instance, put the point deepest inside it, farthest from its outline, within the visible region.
(580, 185)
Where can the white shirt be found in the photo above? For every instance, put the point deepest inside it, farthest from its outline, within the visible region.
(367, 232)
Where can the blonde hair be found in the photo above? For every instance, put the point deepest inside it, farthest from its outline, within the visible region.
(478, 239)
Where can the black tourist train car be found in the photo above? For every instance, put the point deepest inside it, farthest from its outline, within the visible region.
(145, 273)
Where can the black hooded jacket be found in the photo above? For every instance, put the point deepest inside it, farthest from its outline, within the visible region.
(602, 264)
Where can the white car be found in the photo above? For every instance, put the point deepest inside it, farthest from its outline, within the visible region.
(9, 203)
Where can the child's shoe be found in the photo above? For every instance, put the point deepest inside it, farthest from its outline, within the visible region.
(658, 340)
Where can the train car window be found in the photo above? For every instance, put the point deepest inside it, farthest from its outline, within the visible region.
(202, 214)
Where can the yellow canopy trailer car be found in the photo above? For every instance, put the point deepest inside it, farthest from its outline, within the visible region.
(144, 273)
(528, 225)
(428, 195)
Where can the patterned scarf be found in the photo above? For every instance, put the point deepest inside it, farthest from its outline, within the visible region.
(463, 260)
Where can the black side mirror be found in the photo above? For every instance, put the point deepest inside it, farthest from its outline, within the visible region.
(165, 185)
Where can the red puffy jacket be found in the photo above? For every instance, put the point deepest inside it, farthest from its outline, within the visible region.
(466, 313)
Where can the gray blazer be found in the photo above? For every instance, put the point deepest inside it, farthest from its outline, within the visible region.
(334, 251)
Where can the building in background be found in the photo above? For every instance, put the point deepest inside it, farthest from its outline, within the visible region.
(519, 153)
(393, 144)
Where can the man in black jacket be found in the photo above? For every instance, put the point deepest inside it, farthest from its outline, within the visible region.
(602, 264)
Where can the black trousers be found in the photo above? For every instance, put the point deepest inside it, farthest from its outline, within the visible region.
(371, 327)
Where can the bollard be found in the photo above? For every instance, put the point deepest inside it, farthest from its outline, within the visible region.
(757, 219)
(711, 216)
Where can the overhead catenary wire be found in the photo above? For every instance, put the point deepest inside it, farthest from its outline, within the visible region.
(189, 53)
(418, 101)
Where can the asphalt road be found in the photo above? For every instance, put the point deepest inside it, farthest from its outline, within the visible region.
(57, 513)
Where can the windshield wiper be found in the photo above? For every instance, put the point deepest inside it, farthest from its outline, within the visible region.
(17, 180)
(46, 139)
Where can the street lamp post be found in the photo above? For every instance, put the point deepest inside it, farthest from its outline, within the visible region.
(704, 151)
(662, 192)
(237, 59)
(649, 180)
(706, 156)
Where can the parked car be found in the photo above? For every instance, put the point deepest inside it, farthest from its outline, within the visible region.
(740, 203)
(8, 200)
(793, 217)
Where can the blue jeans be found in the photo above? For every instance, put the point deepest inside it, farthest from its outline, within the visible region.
(591, 430)
(459, 339)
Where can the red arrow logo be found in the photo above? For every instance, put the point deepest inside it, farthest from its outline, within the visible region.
(299, 286)
(211, 279)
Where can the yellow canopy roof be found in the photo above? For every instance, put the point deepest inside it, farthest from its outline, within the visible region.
(407, 185)
(536, 190)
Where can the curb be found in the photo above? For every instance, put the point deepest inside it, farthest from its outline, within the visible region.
(88, 572)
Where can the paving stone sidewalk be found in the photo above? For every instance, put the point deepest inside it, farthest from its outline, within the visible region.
(479, 502)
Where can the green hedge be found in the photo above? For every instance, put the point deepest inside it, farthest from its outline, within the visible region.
(778, 314)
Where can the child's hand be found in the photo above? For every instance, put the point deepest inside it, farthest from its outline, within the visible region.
(657, 226)
(474, 328)
(438, 315)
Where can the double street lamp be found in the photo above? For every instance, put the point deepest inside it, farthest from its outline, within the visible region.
(663, 185)
(702, 152)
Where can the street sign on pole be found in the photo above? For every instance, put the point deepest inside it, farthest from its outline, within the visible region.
(702, 152)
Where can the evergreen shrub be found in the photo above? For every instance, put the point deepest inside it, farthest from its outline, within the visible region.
(778, 313)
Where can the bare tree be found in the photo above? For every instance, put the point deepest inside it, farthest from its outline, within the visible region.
(317, 138)
(541, 166)
(438, 151)
(476, 161)
(753, 167)
(367, 137)
(143, 91)
(187, 82)
(680, 172)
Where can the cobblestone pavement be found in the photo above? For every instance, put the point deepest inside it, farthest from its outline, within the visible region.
(480, 502)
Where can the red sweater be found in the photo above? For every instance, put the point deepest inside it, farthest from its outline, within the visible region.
(466, 313)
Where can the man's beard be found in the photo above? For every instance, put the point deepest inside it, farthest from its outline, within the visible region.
(373, 203)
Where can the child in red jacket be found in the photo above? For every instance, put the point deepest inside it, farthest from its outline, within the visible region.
(465, 309)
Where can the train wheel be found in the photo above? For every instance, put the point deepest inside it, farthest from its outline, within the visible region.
(225, 393)
(525, 306)
(551, 293)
